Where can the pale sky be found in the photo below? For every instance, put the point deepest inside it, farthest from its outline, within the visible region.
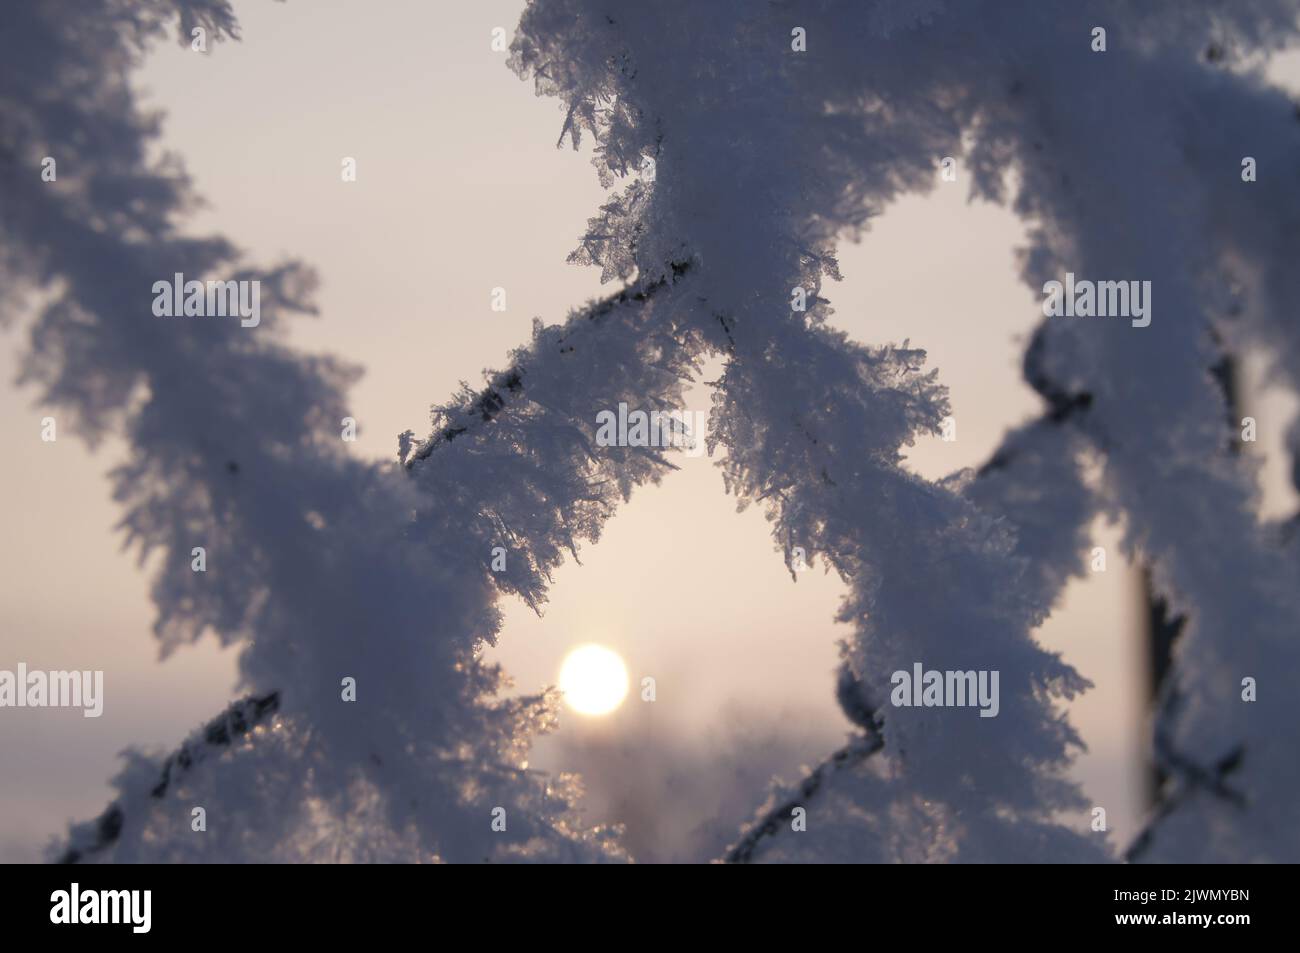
(460, 190)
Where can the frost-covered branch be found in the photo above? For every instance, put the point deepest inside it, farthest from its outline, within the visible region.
(508, 385)
(581, 336)
(234, 445)
(853, 126)
(765, 155)
(219, 734)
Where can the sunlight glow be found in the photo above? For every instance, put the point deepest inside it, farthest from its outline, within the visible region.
(593, 680)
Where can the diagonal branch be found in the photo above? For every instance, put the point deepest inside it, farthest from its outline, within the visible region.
(858, 750)
(216, 736)
(508, 385)
(1062, 409)
(242, 716)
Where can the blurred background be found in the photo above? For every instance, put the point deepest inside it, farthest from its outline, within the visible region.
(460, 190)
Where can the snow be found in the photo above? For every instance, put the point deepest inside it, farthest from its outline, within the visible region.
(1126, 166)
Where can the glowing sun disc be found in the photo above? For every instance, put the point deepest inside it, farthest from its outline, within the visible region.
(593, 679)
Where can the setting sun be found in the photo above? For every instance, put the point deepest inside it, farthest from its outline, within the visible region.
(593, 680)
